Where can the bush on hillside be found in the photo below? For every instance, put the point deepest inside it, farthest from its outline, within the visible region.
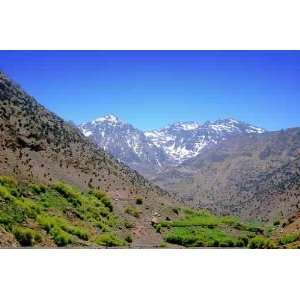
(109, 240)
(26, 236)
(139, 200)
(260, 242)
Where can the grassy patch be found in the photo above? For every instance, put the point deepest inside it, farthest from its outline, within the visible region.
(289, 238)
(200, 228)
(133, 211)
(261, 242)
(65, 213)
(69, 193)
(203, 237)
(5, 193)
(26, 236)
(50, 222)
(109, 240)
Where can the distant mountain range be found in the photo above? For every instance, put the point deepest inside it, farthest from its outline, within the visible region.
(252, 176)
(226, 166)
(150, 152)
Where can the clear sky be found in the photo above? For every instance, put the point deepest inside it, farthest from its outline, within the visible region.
(152, 89)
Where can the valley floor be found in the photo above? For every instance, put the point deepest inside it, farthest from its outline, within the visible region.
(60, 215)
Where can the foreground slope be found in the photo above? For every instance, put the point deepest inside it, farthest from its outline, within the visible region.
(38, 146)
(252, 176)
(60, 215)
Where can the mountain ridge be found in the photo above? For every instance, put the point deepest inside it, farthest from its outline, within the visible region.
(149, 152)
(254, 176)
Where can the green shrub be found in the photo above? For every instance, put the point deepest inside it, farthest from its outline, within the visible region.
(109, 240)
(260, 242)
(231, 221)
(7, 181)
(102, 226)
(29, 207)
(289, 238)
(163, 245)
(50, 222)
(202, 237)
(128, 224)
(176, 211)
(47, 222)
(60, 237)
(107, 203)
(77, 231)
(26, 236)
(98, 194)
(139, 200)
(5, 193)
(133, 211)
(68, 193)
(158, 227)
(129, 239)
(38, 188)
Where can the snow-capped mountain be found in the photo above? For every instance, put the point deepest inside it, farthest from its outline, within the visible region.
(151, 151)
(185, 140)
(126, 143)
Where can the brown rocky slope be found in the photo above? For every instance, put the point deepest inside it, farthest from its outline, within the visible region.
(254, 176)
(38, 146)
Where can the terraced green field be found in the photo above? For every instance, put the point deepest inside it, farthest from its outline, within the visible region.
(203, 229)
(59, 215)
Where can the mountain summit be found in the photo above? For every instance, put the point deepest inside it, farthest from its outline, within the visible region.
(185, 140)
(126, 143)
(151, 151)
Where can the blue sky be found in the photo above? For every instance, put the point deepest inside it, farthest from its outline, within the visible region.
(151, 89)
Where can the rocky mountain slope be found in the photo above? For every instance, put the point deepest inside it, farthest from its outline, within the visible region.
(38, 146)
(252, 176)
(125, 143)
(151, 151)
(184, 140)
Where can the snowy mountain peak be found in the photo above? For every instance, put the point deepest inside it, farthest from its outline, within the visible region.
(184, 126)
(153, 150)
(109, 118)
(184, 140)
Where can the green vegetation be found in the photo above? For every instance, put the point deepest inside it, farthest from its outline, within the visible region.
(26, 236)
(60, 214)
(200, 228)
(289, 238)
(139, 200)
(4, 193)
(129, 239)
(204, 237)
(109, 240)
(133, 211)
(261, 242)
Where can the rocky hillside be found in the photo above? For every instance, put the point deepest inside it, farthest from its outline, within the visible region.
(152, 151)
(38, 146)
(252, 176)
